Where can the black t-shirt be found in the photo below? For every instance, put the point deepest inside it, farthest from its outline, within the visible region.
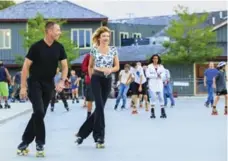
(45, 60)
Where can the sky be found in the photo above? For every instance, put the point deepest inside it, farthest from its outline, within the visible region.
(140, 8)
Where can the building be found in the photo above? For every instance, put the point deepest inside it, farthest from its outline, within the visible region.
(81, 23)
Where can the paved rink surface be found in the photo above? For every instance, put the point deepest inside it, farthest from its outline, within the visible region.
(189, 133)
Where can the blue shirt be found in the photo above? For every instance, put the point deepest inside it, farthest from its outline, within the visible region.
(210, 74)
(3, 76)
(18, 78)
(57, 78)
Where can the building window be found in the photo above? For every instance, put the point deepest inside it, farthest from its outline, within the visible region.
(82, 37)
(5, 39)
(136, 35)
(112, 38)
(123, 35)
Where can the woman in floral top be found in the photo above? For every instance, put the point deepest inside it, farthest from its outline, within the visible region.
(103, 62)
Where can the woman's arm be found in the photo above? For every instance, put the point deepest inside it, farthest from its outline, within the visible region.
(116, 64)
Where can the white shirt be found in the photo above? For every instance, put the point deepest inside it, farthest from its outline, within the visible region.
(124, 76)
(167, 75)
(137, 73)
(155, 82)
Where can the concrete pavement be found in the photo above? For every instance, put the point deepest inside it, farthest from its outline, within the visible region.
(16, 110)
(189, 133)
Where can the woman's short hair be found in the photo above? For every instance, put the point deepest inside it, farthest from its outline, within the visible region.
(98, 33)
(152, 57)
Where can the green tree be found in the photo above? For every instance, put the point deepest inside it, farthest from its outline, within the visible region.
(6, 4)
(190, 41)
(35, 32)
(19, 60)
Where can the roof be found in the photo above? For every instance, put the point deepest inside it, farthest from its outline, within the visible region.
(220, 25)
(155, 20)
(166, 19)
(50, 10)
(132, 53)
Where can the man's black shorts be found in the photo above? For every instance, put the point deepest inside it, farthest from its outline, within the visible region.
(89, 93)
(220, 93)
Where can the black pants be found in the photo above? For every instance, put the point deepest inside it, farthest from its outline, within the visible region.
(101, 87)
(40, 93)
(62, 96)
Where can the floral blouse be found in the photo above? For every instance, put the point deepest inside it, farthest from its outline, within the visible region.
(101, 60)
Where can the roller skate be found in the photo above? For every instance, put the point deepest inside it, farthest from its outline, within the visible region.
(77, 100)
(206, 104)
(115, 108)
(122, 107)
(132, 104)
(52, 108)
(146, 105)
(73, 101)
(7, 105)
(163, 114)
(214, 111)
(225, 111)
(134, 111)
(22, 149)
(79, 140)
(152, 113)
(39, 150)
(66, 106)
(100, 144)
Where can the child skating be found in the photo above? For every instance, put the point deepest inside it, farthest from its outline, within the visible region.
(219, 83)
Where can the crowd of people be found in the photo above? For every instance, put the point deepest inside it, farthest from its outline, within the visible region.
(148, 83)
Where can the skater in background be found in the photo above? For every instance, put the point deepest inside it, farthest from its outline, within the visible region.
(103, 62)
(138, 86)
(209, 74)
(168, 92)
(57, 79)
(219, 83)
(74, 80)
(40, 65)
(16, 86)
(145, 97)
(125, 79)
(156, 73)
(88, 88)
(5, 78)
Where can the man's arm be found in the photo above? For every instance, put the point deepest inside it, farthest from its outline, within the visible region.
(8, 75)
(25, 71)
(129, 79)
(64, 69)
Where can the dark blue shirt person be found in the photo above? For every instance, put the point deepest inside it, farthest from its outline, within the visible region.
(209, 74)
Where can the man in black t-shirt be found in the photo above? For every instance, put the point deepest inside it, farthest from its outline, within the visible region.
(40, 64)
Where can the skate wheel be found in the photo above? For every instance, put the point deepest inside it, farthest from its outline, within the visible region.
(40, 154)
(22, 153)
(100, 146)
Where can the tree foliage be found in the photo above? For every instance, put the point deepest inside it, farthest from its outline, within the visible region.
(191, 41)
(6, 4)
(35, 32)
